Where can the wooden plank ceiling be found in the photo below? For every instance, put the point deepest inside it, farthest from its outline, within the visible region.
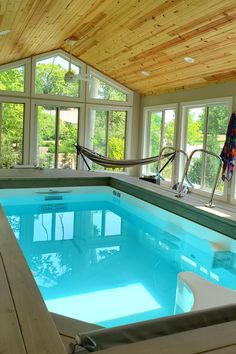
(122, 38)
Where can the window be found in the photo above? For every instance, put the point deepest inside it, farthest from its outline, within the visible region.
(101, 90)
(13, 79)
(49, 77)
(107, 133)
(206, 128)
(11, 133)
(57, 132)
(159, 132)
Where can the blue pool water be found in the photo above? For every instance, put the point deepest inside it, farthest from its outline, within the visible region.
(102, 256)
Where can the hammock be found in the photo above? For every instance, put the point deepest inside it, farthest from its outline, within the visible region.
(108, 162)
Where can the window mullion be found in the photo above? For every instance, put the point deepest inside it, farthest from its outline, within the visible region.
(77, 142)
(203, 172)
(107, 132)
(159, 165)
(125, 142)
(0, 128)
(57, 136)
(23, 159)
(162, 129)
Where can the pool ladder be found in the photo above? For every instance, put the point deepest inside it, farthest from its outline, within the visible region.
(180, 188)
(171, 158)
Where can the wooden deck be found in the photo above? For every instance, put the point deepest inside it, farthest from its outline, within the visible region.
(26, 326)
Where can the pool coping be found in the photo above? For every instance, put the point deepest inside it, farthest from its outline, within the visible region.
(146, 191)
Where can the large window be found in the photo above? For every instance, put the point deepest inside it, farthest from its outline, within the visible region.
(13, 79)
(107, 133)
(43, 101)
(11, 133)
(160, 132)
(50, 77)
(101, 90)
(57, 133)
(206, 128)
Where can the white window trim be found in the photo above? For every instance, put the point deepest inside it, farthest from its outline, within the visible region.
(111, 82)
(13, 65)
(33, 125)
(128, 132)
(184, 106)
(65, 56)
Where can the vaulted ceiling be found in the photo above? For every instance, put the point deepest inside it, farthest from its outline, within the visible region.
(140, 43)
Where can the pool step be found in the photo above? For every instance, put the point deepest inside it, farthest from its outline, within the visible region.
(206, 294)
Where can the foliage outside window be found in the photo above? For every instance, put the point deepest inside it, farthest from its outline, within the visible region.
(101, 90)
(107, 134)
(206, 128)
(11, 134)
(57, 133)
(49, 77)
(57, 126)
(161, 131)
(13, 79)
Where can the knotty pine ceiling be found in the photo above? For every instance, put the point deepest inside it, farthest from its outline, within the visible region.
(122, 38)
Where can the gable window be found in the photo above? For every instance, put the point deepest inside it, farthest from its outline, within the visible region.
(107, 133)
(159, 133)
(57, 132)
(50, 77)
(206, 125)
(100, 89)
(13, 79)
(103, 91)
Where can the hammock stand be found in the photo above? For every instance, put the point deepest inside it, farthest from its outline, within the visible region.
(108, 162)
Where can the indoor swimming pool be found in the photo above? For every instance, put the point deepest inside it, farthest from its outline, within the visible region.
(102, 256)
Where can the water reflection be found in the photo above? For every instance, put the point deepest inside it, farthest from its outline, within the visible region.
(78, 250)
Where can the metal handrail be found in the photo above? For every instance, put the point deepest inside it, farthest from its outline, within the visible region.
(179, 190)
(161, 154)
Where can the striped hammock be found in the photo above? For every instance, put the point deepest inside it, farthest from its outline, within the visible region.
(108, 162)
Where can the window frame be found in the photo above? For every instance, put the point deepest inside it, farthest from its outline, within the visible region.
(129, 110)
(26, 123)
(184, 107)
(145, 141)
(34, 124)
(13, 65)
(110, 82)
(65, 56)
